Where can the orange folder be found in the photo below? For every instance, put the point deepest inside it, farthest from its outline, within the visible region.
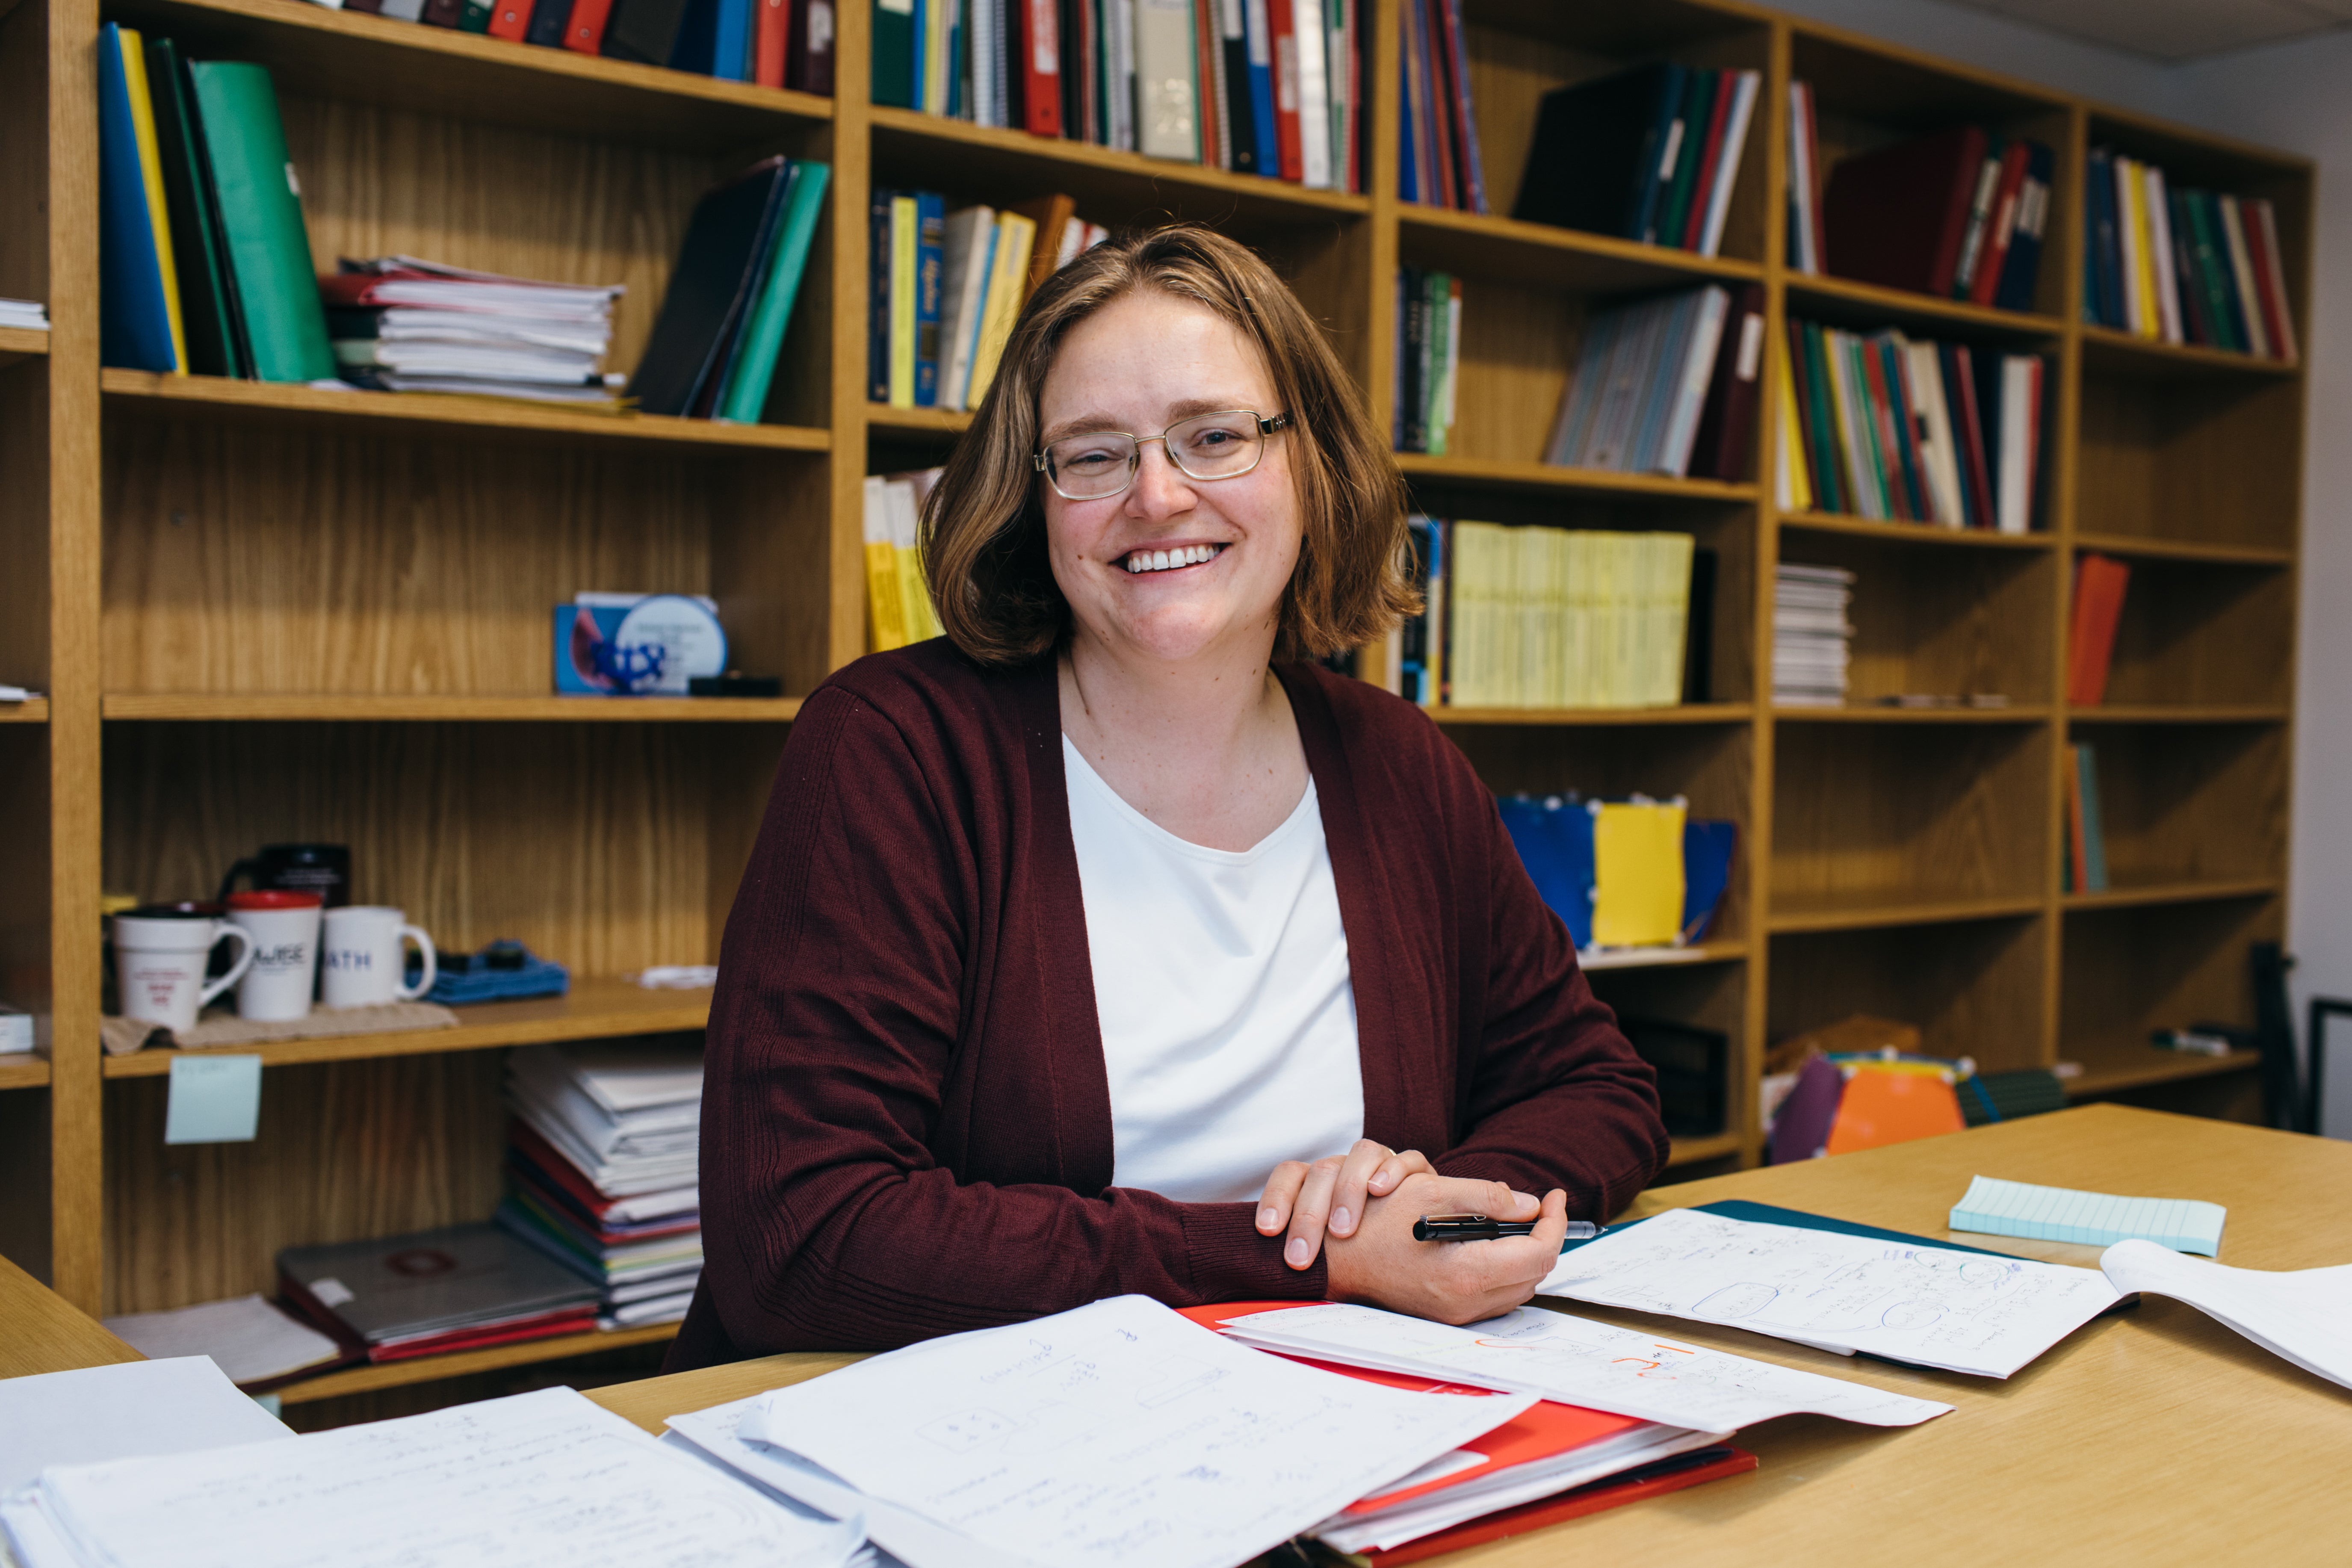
(1882, 1107)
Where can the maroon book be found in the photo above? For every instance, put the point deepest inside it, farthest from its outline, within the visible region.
(1896, 216)
(1725, 446)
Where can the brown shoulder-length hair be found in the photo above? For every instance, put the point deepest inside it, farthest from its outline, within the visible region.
(983, 531)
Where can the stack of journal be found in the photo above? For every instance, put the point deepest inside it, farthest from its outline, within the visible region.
(601, 1163)
(405, 325)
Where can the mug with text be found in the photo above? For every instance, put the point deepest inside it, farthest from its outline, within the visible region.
(284, 927)
(159, 965)
(363, 958)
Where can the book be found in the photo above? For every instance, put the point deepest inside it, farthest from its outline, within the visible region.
(719, 269)
(886, 621)
(1641, 383)
(213, 335)
(894, 53)
(2099, 585)
(1594, 159)
(1008, 272)
(433, 1290)
(584, 29)
(2090, 822)
(1896, 217)
(1805, 243)
(930, 225)
(750, 380)
(550, 21)
(878, 294)
(968, 249)
(135, 292)
(261, 222)
(904, 238)
(1168, 122)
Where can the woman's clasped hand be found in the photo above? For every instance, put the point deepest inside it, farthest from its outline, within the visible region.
(1359, 1209)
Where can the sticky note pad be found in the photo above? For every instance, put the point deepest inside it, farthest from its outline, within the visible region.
(2095, 1219)
(214, 1100)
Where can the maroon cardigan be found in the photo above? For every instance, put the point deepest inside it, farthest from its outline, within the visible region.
(907, 1126)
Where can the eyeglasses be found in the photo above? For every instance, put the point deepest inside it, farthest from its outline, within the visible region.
(1100, 464)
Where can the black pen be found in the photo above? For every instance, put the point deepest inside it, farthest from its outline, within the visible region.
(1479, 1227)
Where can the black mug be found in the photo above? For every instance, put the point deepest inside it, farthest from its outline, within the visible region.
(321, 868)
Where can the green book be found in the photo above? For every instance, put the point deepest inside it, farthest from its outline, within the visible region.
(1699, 108)
(261, 219)
(894, 52)
(196, 245)
(476, 17)
(747, 395)
(1828, 459)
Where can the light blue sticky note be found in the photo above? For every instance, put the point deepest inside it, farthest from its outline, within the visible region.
(2094, 1219)
(214, 1100)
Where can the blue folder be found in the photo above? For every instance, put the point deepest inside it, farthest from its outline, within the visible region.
(134, 321)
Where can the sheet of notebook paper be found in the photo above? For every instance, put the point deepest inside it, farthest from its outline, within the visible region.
(1578, 1362)
(1933, 1306)
(1993, 1208)
(1117, 1434)
(543, 1477)
(2303, 1315)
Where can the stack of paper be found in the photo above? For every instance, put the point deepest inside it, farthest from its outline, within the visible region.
(1117, 1434)
(256, 1344)
(1992, 1207)
(1958, 1310)
(405, 325)
(543, 1477)
(95, 1412)
(1809, 636)
(29, 314)
(600, 1166)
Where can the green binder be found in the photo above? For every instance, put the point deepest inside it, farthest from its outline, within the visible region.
(894, 52)
(261, 216)
(755, 367)
(214, 346)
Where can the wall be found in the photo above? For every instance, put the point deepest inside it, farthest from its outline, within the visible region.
(2291, 96)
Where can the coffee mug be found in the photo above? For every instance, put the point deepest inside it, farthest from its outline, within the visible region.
(284, 927)
(362, 958)
(159, 965)
(321, 868)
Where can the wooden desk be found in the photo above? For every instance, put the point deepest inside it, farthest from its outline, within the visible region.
(2154, 1436)
(40, 1331)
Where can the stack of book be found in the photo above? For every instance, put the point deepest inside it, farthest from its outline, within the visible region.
(1428, 364)
(400, 324)
(1277, 88)
(1960, 214)
(601, 1171)
(204, 260)
(1667, 385)
(945, 289)
(1806, 246)
(462, 1288)
(898, 598)
(2182, 266)
(1809, 636)
(2099, 584)
(1439, 164)
(1882, 427)
(1545, 617)
(780, 43)
(29, 315)
(1651, 154)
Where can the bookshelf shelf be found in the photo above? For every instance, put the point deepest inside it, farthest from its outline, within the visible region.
(2181, 892)
(2190, 550)
(31, 710)
(141, 391)
(593, 1009)
(358, 707)
(24, 1072)
(1690, 1151)
(933, 150)
(1912, 532)
(2182, 713)
(1841, 301)
(1507, 250)
(353, 56)
(2019, 714)
(1687, 713)
(21, 344)
(1487, 473)
(382, 1375)
(1713, 949)
(1850, 912)
(2176, 1068)
(918, 421)
(2106, 350)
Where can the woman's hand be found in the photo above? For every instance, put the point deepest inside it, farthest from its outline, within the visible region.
(1450, 1281)
(1329, 1197)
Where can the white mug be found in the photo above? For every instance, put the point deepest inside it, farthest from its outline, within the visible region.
(362, 958)
(159, 965)
(284, 926)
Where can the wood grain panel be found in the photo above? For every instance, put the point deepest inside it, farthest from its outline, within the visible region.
(2191, 803)
(1974, 989)
(2201, 633)
(25, 868)
(23, 152)
(24, 523)
(1867, 811)
(345, 1152)
(1947, 622)
(25, 1157)
(588, 843)
(1519, 346)
(2215, 460)
(2130, 971)
(256, 559)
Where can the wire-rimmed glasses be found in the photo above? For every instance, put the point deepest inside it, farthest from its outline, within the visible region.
(1096, 465)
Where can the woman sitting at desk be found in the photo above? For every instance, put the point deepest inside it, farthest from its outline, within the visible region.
(1104, 946)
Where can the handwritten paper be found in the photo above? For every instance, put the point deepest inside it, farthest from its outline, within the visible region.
(1991, 1207)
(2303, 1315)
(541, 1478)
(1578, 1361)
(1932, 1306)
(1119, 1434)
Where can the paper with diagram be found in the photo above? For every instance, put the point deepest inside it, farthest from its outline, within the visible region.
(1578, 1362)
(1933, 1306)
(2303, 1315)
(1115, 1434)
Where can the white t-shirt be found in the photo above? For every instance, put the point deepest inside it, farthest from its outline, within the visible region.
(1221, 981)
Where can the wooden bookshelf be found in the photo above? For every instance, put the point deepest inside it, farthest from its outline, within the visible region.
(261, 613)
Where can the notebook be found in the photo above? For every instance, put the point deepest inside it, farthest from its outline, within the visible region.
(1991, 1207)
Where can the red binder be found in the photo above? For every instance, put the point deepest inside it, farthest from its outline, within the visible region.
(771, 42)
(2003, 228)
(1289, 152)
(510, 19)
(584, 33)
(2099, 582)
(1041, 67)
(1896, 216)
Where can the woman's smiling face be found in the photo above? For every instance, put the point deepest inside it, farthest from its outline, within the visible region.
(1172, 567)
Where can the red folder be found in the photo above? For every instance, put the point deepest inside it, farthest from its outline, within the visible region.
(1041, 67)
(2099, 582)
(771, 38)
(584, 32)
(510, 19)
(1289, 152)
